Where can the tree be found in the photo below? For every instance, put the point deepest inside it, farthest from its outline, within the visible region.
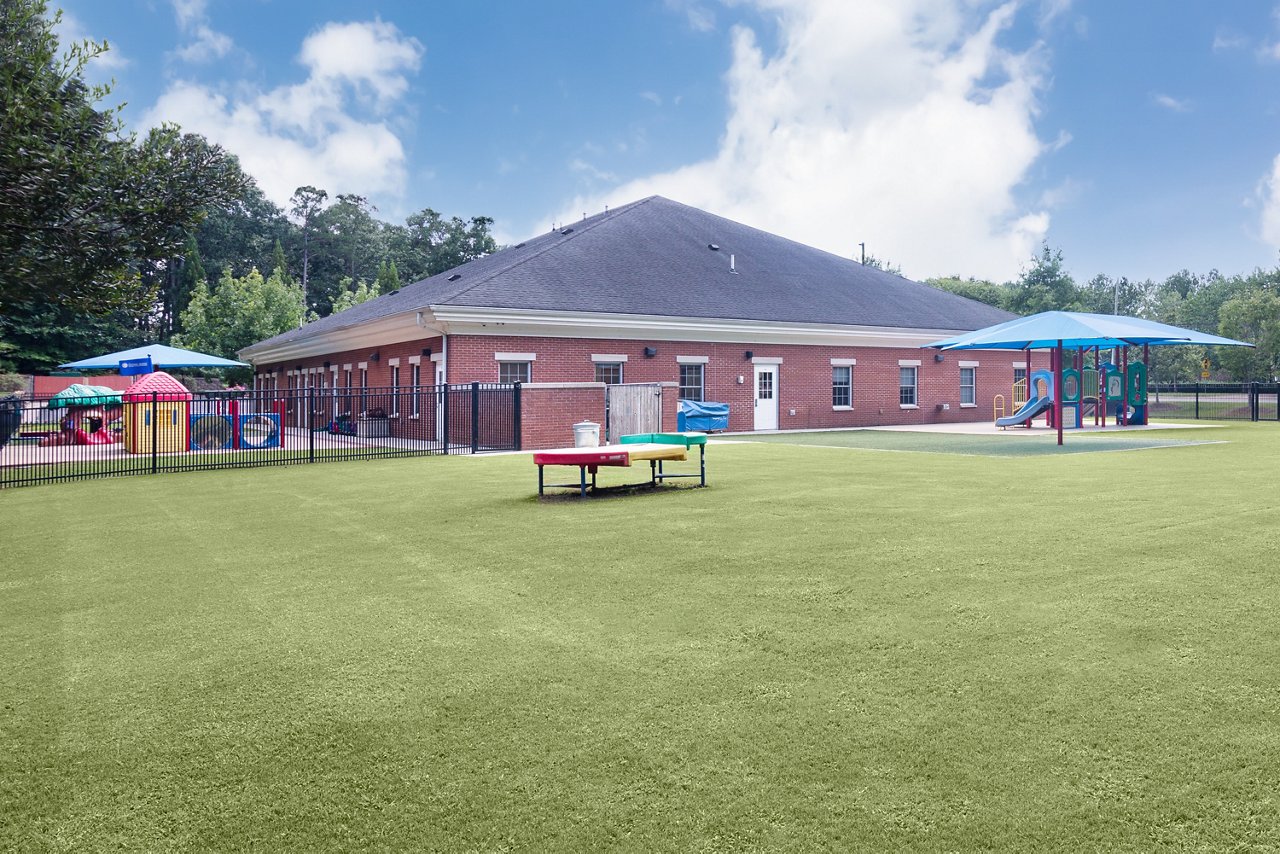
(1253, 316)
(239, 312)
(83, 204)
(974, 289)
(428, 243)
(876, 264)
(353, 294)
(388, 278)
(307, 202)
(1044, 286)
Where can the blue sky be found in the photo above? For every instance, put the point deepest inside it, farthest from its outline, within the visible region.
(952, 136)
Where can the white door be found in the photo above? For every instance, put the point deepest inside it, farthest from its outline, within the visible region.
(766, 397)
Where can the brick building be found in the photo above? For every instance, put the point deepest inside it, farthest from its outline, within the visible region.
(658, 292)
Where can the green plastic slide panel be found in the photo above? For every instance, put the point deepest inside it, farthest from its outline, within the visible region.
(1070, 385)
(686, 439)
(1089, 385)
(1137, 384)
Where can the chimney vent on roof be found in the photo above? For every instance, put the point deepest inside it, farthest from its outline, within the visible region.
(733, 267)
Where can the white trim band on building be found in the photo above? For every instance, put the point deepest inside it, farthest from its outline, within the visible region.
(692, 360)
(514, 357)
(969, 364)
(608, 357)
(843, 363)
(766, 360)
(908, 363)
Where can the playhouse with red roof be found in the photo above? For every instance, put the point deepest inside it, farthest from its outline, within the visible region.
(156, 415)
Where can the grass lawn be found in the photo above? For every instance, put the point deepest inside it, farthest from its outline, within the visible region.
(827, 648)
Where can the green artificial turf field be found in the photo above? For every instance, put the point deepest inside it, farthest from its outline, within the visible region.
(826, 649)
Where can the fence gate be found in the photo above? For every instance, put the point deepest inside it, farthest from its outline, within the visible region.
(632, 408)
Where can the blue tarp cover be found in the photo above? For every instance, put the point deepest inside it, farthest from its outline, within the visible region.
(702, 415)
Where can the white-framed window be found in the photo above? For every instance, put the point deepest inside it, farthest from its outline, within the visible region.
(907, 375)
(609, 373)
(395, 391)
(968, 386)
(415, 386)
(842, 386)
(515, 372)
(692, 383)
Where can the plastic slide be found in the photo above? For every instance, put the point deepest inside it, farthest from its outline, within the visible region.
(1029, 410)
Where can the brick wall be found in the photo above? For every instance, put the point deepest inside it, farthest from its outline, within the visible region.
(804, 379)
(804, 376)
(549, 411)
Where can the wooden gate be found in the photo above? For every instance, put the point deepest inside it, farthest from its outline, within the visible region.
(632, 408)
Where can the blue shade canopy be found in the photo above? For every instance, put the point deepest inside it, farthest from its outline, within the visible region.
(162, 356)
(1074, 329)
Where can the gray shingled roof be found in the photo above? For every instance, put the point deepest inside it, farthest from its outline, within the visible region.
(651, 257)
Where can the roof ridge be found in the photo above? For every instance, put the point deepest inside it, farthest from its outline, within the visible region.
(607, 216)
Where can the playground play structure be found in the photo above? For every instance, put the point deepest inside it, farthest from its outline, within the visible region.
(1089, 392)
(1063, 392)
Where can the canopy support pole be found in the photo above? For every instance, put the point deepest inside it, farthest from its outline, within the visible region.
(1057, 391)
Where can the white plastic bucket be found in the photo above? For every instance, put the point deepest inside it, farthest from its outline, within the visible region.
(586, 434)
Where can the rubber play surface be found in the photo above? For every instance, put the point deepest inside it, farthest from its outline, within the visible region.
(987, 446)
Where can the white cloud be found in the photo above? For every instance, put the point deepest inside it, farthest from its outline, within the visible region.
(701, 19)
(328, 130)
(1269, 195)
(652, 97)
(1224, 40)
(1171, 103)
(582, 167)
(901, 123)
(207, 44)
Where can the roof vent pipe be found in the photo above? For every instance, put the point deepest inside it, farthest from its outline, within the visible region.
(732, 265)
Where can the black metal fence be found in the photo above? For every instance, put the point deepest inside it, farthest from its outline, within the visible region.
(1252, 401)
(161, 433)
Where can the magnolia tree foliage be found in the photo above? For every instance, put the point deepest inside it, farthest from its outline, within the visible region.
(82, 204)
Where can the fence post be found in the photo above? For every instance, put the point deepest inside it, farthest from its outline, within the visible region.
(443, 392)
(1253, 401)
(516, 410)
(1197, 401)
(311, 433)
(155, 430)
(475, 416)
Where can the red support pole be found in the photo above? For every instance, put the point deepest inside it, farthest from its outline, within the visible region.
(1098, 393)
(1057, 391)
(1123, 417)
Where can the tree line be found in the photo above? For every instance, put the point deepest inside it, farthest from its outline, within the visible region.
(1244, 306)
(110, 240)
